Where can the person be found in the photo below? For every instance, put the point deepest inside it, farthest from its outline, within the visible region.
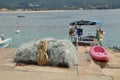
(2, 37)
(97, 35)
(18, 27)
(79, 32)
(75, 28)
(70, 32)
(100, 36)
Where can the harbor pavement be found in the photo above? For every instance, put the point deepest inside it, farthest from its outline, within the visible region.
(87, 69)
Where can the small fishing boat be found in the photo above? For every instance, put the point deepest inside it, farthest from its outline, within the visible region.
(99, 53)
(17, 31)
(5, 43)
(21, 16)
(77, 36)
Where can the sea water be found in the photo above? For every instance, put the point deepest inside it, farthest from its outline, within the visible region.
(55, 24)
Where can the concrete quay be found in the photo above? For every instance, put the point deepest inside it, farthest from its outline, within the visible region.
(88, 69)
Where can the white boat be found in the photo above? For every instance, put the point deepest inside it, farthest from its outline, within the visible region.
(17, 31)
(5, 43)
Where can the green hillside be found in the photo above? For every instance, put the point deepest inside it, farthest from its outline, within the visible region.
(59, 4)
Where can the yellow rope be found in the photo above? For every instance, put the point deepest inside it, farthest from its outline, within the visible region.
(42, 57)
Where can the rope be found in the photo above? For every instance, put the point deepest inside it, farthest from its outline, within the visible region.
(42, 57)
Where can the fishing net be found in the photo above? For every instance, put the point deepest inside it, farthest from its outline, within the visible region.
(60, 53)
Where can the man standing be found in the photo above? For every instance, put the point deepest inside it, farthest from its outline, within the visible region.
(79, 32)
(100, 36)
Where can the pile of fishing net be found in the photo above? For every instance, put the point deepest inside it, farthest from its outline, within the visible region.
(56, 53)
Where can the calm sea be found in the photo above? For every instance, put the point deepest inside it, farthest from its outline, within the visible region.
(55, 24)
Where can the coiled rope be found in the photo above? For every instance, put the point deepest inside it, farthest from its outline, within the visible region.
(42, 57)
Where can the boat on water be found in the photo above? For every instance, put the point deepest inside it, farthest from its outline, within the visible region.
(77, 37)
(5, 43)
(21, 16)
(99, 53)
(17, 31)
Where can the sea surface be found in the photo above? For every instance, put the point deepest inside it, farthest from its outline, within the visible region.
(55, 24)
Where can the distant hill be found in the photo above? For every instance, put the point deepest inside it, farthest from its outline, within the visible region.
(59, 4)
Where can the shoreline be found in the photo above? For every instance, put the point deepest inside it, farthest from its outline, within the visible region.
(19, 11)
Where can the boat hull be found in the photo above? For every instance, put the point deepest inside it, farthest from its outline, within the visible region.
(17, 31)
(5, 43)
(99, 53)
(85, 41)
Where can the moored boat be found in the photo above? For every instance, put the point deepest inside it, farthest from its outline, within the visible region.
(99, 53)
(77, 36)
(21, 16)
(5, 43)
(17, 31)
